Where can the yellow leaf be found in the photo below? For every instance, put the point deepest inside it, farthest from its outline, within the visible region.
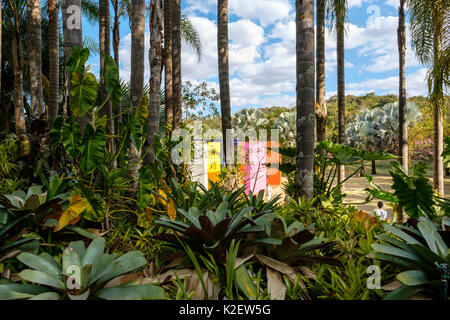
(76, 208)
(171, 210)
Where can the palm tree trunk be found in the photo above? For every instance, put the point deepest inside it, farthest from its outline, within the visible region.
(438, 120)
(53, 44)
(156, 65)
(224, 77)
(35, 55)
(116, 43)
(341, 93)
(168, 67)
(403, 113)
(321, 104)
(137, 71)
(374, 167)
(19, 113)
(305, 98)
(176, 56)
(73, 36)
(105, 50)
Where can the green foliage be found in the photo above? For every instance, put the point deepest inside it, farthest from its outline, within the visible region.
(417, 252)
(414, 192)
(82, 274)
(212, 231)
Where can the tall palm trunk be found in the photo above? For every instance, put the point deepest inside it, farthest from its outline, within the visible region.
(438, 121)
(35, 55)
(168, 68)
(321, 104)
(19, 114)
(156, 65)
(224, 76)
(137, 71)
(53, 45)
(176, 56)
(403, 113)
(305, 98)
(116, 43)
(341, 92)
(105, 50)
(73, 36)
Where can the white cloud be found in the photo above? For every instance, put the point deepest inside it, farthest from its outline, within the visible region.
(262, 53)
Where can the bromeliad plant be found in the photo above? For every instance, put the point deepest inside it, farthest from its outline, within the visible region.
(212, 231)
(420, 252)
(84, 273)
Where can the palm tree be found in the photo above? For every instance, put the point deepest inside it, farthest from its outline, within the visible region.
(105, 50)
(156, 65)
(403, 113)
(224, 76)
(53, 43)
(321, 103)
(137, 18)
(305, 98)
(168, 70)
(429, 25)
(35, 55)
(17, 10)
(73, 36)
(337, 16)
(176, 60)
(120, 9)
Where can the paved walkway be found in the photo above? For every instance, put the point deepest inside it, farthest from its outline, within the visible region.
(356, 193)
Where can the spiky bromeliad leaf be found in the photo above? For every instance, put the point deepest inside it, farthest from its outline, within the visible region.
(415, 193)
(92, 148)
(84, 93)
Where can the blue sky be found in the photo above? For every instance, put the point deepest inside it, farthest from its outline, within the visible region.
(262, 51)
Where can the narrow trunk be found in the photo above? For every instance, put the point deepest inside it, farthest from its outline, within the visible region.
(374, 167)
(73, 36)
(53, 45)
(19, 113)
(321, 104)
(137, 72)
(168, 73)
(438, 120)
(403, 113)
(224, 77)
(156, 64)
(341, 94)
(105, 50)
(35, 56)
(176, 56)
(438, 150)
(116, 43)
(305, 98)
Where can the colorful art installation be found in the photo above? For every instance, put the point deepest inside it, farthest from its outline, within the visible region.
(259, 164)
(199, 168)
(214, 160)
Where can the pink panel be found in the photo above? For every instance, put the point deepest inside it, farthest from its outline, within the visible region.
(255, 168)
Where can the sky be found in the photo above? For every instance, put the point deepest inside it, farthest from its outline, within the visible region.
(262, 51)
